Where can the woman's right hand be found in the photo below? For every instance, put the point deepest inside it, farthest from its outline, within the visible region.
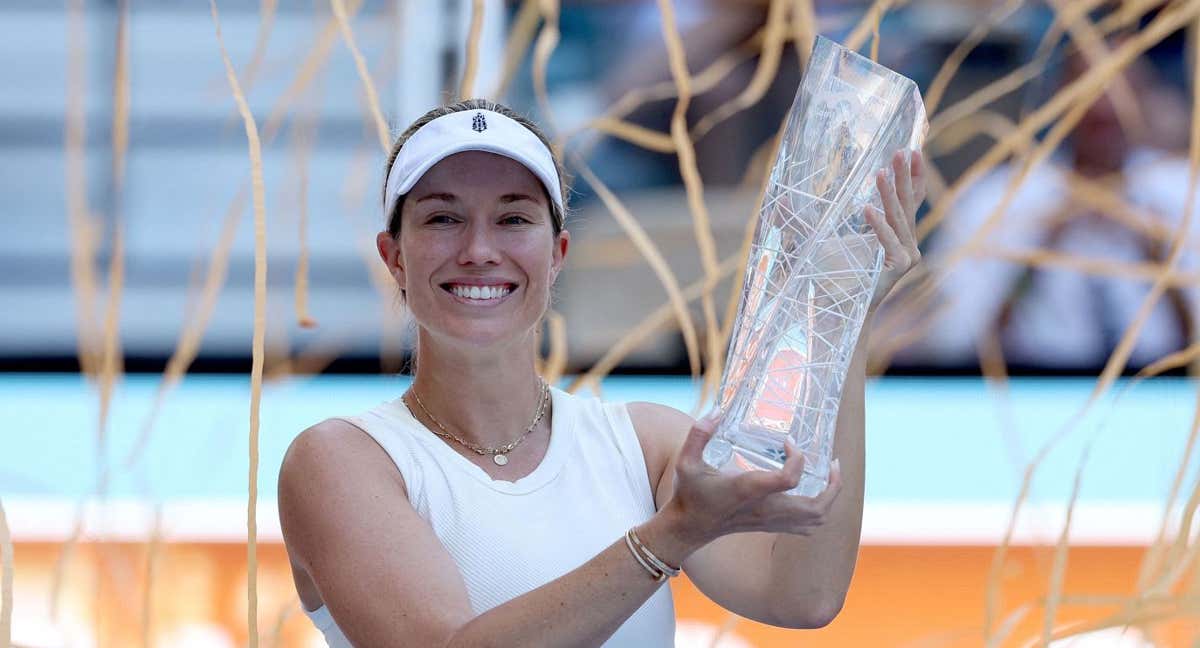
(707, 503)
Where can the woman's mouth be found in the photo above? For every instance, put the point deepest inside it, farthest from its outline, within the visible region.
(479, 295)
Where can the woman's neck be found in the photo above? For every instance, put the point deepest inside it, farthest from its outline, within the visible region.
(488, 397)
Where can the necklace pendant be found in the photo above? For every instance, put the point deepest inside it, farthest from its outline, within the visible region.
(500, 459)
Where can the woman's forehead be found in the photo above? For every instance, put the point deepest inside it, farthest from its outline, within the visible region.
(478, 174)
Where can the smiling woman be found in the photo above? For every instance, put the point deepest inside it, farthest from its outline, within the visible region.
(484, 506)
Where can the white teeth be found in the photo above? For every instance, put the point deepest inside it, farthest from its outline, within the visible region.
(480, 292)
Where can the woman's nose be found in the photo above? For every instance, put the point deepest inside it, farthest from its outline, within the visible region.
(478, 246)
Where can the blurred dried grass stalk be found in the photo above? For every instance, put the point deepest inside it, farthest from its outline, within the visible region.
(1164, 590)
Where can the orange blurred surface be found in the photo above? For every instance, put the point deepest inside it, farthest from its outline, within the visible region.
(901, 596)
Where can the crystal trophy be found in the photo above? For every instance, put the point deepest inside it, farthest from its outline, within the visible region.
(813, 265)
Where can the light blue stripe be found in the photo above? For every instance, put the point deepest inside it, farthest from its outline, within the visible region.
(929, 440)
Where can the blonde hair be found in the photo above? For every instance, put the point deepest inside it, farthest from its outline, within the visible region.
(557, 216)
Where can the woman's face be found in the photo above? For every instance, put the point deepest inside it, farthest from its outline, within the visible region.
(477, 253)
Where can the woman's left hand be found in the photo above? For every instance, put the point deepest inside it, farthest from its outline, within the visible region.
(896, 227)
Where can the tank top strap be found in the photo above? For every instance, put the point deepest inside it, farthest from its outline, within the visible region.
(625, 437)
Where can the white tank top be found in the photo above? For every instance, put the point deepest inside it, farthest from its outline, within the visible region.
(511, 537)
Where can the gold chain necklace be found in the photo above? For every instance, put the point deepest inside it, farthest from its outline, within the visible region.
(499, 453)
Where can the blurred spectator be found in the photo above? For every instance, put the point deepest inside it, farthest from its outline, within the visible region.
(1057, 318)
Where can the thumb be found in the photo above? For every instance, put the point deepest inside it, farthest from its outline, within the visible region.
(698, 437)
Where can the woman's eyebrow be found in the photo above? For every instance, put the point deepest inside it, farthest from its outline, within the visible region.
(444, 197)
(514, 197)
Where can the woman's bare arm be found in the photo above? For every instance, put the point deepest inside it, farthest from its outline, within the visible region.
(800, 579)
(388, 581)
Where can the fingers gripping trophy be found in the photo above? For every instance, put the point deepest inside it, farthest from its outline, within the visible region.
(813, 265)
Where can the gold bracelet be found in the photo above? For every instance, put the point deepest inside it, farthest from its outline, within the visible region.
(654, 560)
(657, 575)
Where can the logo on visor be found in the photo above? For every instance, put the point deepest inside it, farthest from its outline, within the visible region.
(479, 124)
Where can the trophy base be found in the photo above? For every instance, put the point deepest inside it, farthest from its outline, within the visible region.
(730, 458)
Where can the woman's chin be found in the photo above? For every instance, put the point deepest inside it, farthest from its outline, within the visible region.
(483, 336)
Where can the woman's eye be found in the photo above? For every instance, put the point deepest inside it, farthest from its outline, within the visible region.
(440, 218)
(515, 220)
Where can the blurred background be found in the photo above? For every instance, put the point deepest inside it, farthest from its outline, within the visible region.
(1030, 429)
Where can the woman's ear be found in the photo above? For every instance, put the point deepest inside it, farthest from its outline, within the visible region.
(561, 243)
(389, 252)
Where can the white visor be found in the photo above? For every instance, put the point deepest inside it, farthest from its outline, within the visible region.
(469, 130)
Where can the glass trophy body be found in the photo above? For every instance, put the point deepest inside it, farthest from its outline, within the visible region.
(813, 265)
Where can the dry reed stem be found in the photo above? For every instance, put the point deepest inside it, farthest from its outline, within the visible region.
(1008, 625)
(880, 354)
(868, 25)
(83, 228)
(317, 56)
(1092, 265)
(758, 169)
(120, 109)
(1127, 13)
(313, 360)
(61, 564)
(520, 34)
(1098, 197)
(941, 80)
(992, 591)
(1171, 361)
(1091, 46)
(260, 308)
(1120, 356)
(547, 40)
(804, 30)
(995, 372)
(875, 38)
(649, 251)
(289, 609)
(192, 335)
(364, 75)
(1080, 93)
(1180, 555)
(969, 106)
(986, 122)
(646, 138)
(694, 187)
(471, 65)
(110, 359)
(110, 366)
(304, 140)
(6, 580)
(1153, 563)
(1090, 92)
(1058, 568)
(996, 570)
(727, 626)
(110, 351)
(266, 20)
(1174, 608)
(764, 73)
(706, 80)
(153, 555)
(643, 330)
(556, 362)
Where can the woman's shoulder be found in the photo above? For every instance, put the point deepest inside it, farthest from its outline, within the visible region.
(338, 450)
(658, 424)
